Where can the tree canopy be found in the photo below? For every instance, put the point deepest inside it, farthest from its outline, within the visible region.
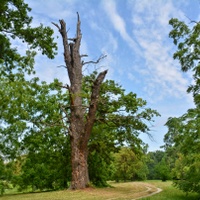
(15, 90)
(187, 40)
(183, 136)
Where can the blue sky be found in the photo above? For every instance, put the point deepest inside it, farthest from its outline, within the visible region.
(134, 36)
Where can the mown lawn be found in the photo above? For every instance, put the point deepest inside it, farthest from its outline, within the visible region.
(119, 191)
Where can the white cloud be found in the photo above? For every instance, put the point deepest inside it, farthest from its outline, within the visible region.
(118, 23)
(161, 74)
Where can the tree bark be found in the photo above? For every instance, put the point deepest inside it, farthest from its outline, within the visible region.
(80, 177)
(80, 128)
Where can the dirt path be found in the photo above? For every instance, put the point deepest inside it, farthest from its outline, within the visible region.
(149, 192)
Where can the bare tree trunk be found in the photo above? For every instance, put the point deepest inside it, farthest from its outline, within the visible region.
(79, 129)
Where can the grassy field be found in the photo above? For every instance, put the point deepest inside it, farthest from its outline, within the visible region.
(119, 191)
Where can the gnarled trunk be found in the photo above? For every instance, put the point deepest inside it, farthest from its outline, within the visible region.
(81, 123)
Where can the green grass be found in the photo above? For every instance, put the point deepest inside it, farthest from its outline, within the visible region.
(169, 192)
(120, 191)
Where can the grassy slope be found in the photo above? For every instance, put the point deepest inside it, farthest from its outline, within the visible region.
(120, 191)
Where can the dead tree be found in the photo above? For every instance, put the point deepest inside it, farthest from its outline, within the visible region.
(80, 124)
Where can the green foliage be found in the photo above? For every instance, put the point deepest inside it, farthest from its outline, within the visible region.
(129, 166)
(125, 114)
(182, 138)
(188, 43)
(4, 177)
(153, 161)
(182, 144)
(100, 159)
(2, 168)
(163, 171)
(15, 23)
(29, 110)
(2, 187)
(17, 94)
(38, 129)
(47, 164)
(187, 173)
(183, 132)
(120, 119)
(99, 168)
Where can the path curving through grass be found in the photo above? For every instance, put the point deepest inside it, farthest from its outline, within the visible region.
(119, 191)
(133, 191)
(149, 192)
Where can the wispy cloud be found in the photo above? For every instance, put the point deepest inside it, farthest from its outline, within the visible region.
(118, 23)
(161, 74)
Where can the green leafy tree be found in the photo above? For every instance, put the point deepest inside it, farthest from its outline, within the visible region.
(117, 122)
(184, 132)
(43, 140)
(186, 172)
(47, 164)
(18, 106)
(15, 23)
(162, 170)
(129, 166)
(101, 146)
(38, 119)
(153, 159)
(15, 91)
(187, 40)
